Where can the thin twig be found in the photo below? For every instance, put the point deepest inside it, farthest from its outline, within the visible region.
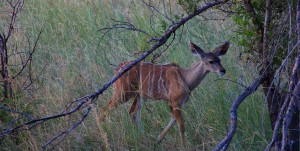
(154, 8)
(231, 81)
(64, 134)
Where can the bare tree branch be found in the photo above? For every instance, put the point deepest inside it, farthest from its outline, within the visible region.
(286, 123)
(65, 133)
(14, 111)
(157, 55)
(266, 24)
(15, 10)
(125, 26)
(155, 9)
(277, 125)
(278, 122)
(84, 102)
(223, 145)
(232, 81)
(30, 55)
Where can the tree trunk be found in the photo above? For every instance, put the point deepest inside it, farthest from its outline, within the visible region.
(7, 87)
(294, 135)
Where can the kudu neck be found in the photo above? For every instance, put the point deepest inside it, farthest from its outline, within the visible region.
(194, 74)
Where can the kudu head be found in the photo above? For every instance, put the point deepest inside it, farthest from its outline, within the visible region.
(211, 60)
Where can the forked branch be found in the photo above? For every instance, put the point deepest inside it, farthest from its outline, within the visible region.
(29, 59)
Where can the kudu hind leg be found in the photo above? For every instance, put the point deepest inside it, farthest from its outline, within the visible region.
(135, 110)
(104, 111)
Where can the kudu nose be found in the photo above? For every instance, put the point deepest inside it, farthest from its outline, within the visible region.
(222, 72)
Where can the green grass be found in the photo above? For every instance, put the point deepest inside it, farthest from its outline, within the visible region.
(76, 64)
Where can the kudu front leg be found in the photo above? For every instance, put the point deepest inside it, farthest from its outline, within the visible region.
(116, 100)
(180, 123)
(176, 118)
(162, 135)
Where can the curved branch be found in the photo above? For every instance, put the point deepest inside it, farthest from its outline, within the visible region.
(233, 113)
(123, 25)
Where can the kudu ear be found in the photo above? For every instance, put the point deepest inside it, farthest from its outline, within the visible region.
(196, 50)
(222, 49)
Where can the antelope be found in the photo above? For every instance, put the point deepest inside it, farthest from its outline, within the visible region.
(167, 82)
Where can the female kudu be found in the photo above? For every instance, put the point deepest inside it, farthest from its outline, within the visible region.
(167, 82)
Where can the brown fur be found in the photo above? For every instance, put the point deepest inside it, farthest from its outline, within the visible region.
(167, 82)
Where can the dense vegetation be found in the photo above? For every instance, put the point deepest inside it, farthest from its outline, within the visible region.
(73, 58)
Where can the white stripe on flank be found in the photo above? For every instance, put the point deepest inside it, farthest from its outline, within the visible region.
(141, 78)
(129, 83)
(158, 82)
(163, 91)
(149, 80)
(163, 86)
(152, 81)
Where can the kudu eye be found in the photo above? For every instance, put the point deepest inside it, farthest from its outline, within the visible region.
(211, 62)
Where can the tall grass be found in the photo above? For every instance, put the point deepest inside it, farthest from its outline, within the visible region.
(75, 60)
